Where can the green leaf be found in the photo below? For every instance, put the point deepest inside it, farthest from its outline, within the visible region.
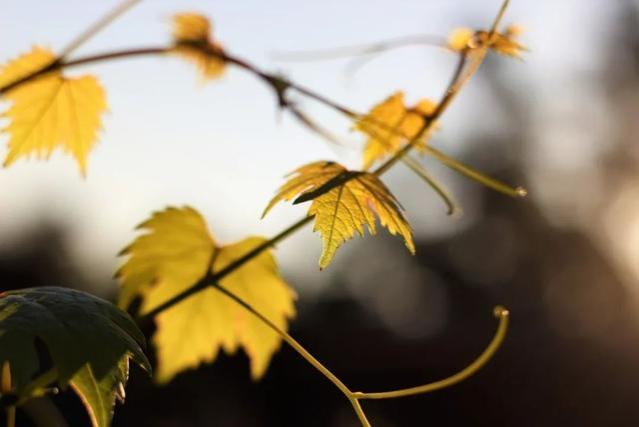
(89, 341)
(98, 395)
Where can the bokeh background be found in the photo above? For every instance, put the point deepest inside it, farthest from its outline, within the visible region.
(563, 123)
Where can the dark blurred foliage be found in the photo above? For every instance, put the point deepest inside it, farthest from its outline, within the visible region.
(571, 357)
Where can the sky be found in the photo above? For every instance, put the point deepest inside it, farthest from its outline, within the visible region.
(222, 147)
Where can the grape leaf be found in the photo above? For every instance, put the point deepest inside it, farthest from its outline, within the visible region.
(343, 203)
(99, 394)
(89, 341)
(462, 39)
(389, 124)
(192, 40)
(50, 111)
(177, 252)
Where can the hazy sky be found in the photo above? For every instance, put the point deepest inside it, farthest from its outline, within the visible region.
(221, 147)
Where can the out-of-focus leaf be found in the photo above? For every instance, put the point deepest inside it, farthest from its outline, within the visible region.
(89, 342)
(192, 40)
(390, 124)
(51, 111)
(465, 39)
(176, 253)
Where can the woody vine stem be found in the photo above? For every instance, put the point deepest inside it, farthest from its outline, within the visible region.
(470, 60)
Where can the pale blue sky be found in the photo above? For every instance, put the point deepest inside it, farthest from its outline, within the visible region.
(220, 147)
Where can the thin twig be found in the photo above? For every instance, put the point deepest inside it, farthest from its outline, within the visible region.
(97, 26)
(361, 49)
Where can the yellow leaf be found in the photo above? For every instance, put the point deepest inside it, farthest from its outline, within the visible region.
(464, 39)
(192, 40)
(25, 64)
(175, 254)
(505, 43)
(459, 38)
(344, 202)
(51, 111)
(391, 123)
(191, 27)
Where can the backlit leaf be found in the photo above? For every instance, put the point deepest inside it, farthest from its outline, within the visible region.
(176, 253)
(459, 38)
(51, 111)
(192, 40)
(89, 341)
(464, 39)
(344, 202)
(505, 43)
(99, 394)
(390, 124)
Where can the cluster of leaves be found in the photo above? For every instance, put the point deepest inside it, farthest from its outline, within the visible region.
(212, 296)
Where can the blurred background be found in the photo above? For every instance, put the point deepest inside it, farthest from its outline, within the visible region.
(565, 261)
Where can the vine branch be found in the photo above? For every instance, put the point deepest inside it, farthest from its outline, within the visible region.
(354, 397)
(462, 75)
